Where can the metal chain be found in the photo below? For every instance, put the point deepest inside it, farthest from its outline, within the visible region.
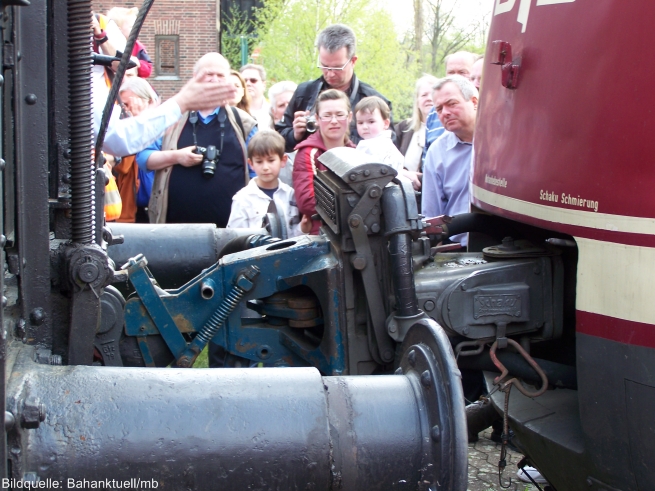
(504, 438)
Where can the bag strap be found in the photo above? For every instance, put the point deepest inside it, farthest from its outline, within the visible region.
(239, 122)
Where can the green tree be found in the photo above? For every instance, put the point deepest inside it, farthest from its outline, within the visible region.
(287, 34)
(235, 24)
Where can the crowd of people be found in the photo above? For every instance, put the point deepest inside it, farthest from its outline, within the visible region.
(220, 149)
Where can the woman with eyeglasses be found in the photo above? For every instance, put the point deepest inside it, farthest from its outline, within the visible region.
(332, 113)
(242, 98)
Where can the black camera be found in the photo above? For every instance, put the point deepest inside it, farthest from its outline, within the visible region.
(311, 124)
(209, 160)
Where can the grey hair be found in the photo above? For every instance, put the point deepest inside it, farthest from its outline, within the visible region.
(252, 66)
(140, 88)
(417, 118)
(335, 37)
(280, 88)
(464, 85)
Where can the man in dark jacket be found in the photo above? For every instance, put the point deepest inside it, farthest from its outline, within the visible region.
(336, 59)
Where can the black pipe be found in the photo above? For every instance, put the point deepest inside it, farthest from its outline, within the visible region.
(80, 120)
(559, 375)
(398, 226)
(402, 270)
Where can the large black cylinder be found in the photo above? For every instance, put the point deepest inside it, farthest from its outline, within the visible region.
(227, 429)
(176, 253)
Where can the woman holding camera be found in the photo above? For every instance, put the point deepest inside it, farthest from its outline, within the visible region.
(332, 116)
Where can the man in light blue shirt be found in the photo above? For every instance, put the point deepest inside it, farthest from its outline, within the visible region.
(446, 171)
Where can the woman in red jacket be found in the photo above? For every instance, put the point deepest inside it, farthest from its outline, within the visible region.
(332, 112)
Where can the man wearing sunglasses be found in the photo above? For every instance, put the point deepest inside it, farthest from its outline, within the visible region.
(336, 59)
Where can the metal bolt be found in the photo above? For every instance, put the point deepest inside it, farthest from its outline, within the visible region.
(387, 355)
(3, 241)
(465, 331)
(374, 193)
(399, 371)
(367, 173)
(359, 263)
(537, 270)
(30, 99)
(352, 177)
(354, 222)
(428, 306)
(435, 433)
(411, 358)
(3, 164)
(392, 327)
(426, 379)
(88, 272)
(10, 420)
(20, 328)
(464, 287)
(33, 412)
(383, 170)
(37, 316)
(142, 328)
(67, 178)
(375, 228)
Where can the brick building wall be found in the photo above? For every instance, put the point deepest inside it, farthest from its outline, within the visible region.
(191, 24)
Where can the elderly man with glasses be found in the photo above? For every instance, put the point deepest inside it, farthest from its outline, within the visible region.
(336, 59)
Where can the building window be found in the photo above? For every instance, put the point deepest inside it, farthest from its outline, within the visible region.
(167, 56)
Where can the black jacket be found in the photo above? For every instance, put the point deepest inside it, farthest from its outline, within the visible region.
(303, 100)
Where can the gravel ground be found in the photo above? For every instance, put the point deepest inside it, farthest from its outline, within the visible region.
(483, 467)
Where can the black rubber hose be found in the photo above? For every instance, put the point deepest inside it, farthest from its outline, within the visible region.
(80, 117)
(559, 375)
(400, 250)
(491, 225)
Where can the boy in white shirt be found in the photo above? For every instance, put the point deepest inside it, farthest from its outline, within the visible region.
(249, 206)
(372, 115)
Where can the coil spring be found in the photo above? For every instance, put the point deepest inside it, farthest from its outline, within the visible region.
(221, 314)
(80, 117)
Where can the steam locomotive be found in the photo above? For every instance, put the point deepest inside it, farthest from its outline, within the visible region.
(361, 331)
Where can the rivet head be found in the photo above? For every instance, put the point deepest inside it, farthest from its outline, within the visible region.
(374, 193)
(464, 287)
(352, 176)
(412, 358)
(37, 316)
(435, 433)
(367, 173)
(30, 99)
(3, 164)
(426, 379)
(384, 171)
(399, 371)
(428, 306)
(3, 241)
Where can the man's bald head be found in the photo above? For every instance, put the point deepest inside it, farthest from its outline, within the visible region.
(460, 63)
(212, 63)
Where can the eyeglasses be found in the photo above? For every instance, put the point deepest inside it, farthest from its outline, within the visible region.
(331, 69)
(326, 118)
(253, 80)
